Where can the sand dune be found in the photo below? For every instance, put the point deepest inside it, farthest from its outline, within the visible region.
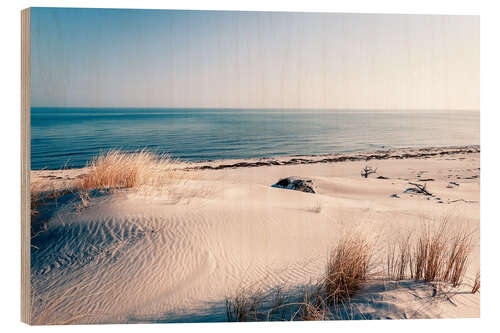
(174, 254)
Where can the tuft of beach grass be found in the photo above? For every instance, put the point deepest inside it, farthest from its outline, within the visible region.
(347, 268)
(117, 169)
(346, 272)
(439, 253)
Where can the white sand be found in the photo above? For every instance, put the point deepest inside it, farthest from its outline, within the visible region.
(174, 254)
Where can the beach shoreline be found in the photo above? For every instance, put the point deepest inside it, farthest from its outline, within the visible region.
(400, 153)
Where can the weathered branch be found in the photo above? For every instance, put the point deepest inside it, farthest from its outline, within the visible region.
(367, 170)
(420, 188)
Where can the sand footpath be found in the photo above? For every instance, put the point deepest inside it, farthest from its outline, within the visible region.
(175, 253)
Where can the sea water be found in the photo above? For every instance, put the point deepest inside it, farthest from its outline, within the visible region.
(70, 137)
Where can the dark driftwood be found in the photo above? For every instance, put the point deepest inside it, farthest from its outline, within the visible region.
(367, 170)
(420, 188)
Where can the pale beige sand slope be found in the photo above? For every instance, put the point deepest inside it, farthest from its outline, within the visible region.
(174, 254)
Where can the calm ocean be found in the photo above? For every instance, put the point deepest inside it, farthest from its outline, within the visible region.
(71, 136)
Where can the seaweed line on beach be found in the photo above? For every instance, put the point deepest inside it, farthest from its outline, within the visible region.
(383, 155)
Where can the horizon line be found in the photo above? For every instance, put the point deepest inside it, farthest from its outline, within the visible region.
(243, 108)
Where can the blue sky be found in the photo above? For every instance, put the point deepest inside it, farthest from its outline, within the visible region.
(160, 58)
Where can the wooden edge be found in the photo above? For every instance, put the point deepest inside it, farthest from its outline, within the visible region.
(25, 167)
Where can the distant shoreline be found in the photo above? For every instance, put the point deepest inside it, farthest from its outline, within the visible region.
(400, 153)
(132, 108)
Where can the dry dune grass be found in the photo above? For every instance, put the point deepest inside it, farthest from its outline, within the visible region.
(314, 305)
(143, 170)
(250, 305)
(477, 283)
(346, 271)
(276, 304)
(114, 169)
(37, 194)
(117, 169)
(347, 268)
(399, 259)
(42, 193)
(439, 253)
